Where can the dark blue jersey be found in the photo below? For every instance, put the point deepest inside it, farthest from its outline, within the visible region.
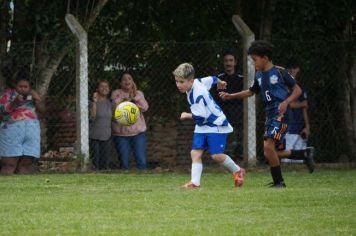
(273, 87)
(296, 117)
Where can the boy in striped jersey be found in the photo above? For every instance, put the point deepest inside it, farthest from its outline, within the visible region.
(211, 125)
(272, 83)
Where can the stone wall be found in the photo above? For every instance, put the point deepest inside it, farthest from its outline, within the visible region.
(169, 143)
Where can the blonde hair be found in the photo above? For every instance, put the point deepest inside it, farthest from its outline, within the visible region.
(133, 89)
(185, 71)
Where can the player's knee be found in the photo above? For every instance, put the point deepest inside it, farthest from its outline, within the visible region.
(195, 155)
(218, 157)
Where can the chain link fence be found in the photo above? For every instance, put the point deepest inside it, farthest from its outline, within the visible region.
(151, 64)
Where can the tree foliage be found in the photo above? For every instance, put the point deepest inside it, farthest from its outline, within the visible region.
(40, 40)
(167, 20)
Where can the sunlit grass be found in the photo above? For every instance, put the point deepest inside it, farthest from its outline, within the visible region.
(323, 203)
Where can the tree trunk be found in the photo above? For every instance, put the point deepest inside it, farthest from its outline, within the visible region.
(4, 30)
(48, 66)
(268, 8)
(47, 70)
(95, 13)
(350, 109)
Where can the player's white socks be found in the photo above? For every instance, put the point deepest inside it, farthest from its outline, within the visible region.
(197, 169)
(230, 165)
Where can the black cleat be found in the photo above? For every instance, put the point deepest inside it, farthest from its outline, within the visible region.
(279, 185)
(309, 160)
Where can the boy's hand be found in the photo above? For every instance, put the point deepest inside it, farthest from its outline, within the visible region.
(221, 84)
(185, 116)
(224, 95)
(282, 108)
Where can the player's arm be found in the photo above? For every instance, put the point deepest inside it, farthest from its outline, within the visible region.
(242, 94)
(296, 91)
(299, 104)
(239, 95)
(186, 116)
(210, 81)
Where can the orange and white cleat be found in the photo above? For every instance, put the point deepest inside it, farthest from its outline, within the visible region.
(239, 177)
(190, 185)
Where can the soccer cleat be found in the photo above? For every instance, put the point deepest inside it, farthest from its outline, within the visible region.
(309, 160)
(279, 185)
(239, 177)
(269, 184)
(190, 185)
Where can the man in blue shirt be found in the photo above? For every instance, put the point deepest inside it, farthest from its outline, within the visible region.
(298, 127)
(277, 89)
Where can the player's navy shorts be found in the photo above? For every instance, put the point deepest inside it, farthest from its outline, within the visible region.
(215, 143)
(275, 128)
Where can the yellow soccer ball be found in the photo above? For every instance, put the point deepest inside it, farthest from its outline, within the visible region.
(127, 113)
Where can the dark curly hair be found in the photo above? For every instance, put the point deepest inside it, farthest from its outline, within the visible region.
(261, 48)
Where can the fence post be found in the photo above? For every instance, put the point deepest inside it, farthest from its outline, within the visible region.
(249, 131)
(81, 89)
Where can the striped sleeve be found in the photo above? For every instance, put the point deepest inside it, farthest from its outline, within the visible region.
(208, 81)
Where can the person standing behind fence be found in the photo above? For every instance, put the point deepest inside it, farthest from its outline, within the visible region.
(272, 83)
(20, 128)
(298, 126)
(130, 137)
(100, 113)
(233, 108)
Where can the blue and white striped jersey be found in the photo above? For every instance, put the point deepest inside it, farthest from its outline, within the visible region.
(207, 115)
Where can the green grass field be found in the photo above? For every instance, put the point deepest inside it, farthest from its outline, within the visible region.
(323, 203)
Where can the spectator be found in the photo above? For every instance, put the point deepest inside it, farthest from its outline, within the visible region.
(100, 126)
(233, 108)
(298, 129)
(130, 137)
(20, 129)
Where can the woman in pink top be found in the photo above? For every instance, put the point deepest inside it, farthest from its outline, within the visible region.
(130, 137)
